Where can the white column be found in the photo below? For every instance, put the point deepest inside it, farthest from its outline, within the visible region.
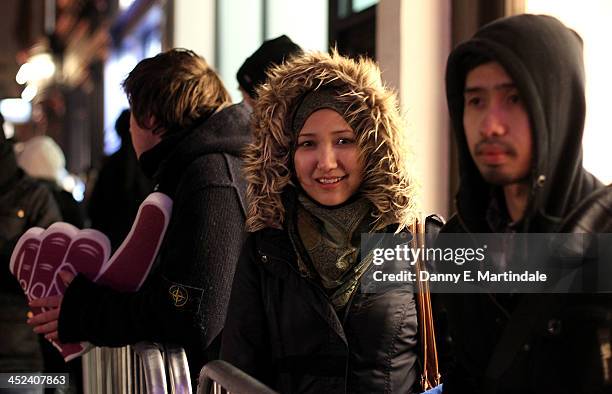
(194, 27)
(305, 22)
(413, 40)
(240, 33)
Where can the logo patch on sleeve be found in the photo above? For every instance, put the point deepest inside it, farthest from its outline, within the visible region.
(178, 295)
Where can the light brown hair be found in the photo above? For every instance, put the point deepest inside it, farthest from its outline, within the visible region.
(174, 90)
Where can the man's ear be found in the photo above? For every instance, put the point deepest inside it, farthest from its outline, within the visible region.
(149, 122)
(152, 125)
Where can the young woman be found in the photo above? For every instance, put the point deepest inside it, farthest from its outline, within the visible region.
(328, 163)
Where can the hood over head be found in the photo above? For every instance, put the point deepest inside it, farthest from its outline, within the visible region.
(226, 131)
(544, 59)
(372, 112)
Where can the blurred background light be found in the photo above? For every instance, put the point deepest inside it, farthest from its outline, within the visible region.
(29, 92)
(38, 68)
(16, 110)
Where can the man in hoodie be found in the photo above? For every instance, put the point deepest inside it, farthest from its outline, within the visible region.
(188, 139)
(516, 98)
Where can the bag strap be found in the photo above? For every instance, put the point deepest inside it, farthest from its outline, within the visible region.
(430, 376)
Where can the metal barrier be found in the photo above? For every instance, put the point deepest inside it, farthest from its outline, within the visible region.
(220, 377)
(151, 368)
(143, 368)
(180, 378)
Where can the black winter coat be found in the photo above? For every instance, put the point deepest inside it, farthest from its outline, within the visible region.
(283, 330)
(529, 343)
(184, 299)
(24, 203)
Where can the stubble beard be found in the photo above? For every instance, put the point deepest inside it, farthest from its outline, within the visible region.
(496, 176)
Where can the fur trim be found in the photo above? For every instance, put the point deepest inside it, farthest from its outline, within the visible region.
(373, 113)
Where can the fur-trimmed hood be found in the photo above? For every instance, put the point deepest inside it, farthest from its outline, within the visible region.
(372, 113)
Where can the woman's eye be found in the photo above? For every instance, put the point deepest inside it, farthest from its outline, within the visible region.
(344, 141)
(474, 101)
(514, 98)
(305, 144)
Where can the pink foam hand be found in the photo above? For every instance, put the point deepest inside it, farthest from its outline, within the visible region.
(87, 253)
(24, 265)
(23, 258)
(40, 255)
(54, 244)
(128, 268)
(70, 351)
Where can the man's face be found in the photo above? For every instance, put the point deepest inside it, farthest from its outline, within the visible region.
(142, 139)
(496, 125)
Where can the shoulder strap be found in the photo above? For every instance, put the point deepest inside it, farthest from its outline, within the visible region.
(430, 376)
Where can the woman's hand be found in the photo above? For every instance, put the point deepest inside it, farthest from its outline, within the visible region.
(46, 322)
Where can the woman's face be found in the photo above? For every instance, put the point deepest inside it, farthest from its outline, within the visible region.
(326, 158)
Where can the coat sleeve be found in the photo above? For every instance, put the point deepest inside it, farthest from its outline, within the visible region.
(184, 300)
(246, 343)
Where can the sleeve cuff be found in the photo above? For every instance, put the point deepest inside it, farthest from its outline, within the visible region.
(78, 302)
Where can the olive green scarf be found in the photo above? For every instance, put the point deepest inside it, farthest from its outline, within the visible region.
(327, 241)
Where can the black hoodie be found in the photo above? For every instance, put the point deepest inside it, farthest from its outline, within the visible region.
(544, 59)
(529, 343)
